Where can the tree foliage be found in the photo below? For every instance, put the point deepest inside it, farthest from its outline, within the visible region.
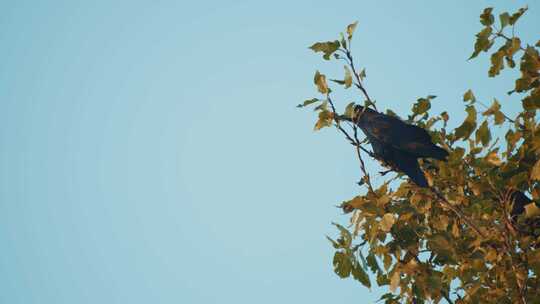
(458, 240)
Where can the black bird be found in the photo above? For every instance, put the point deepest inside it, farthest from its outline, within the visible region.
(520, 200)
(530, 226)
(397, 143)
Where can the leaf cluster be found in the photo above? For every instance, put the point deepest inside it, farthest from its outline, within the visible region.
(456, 240)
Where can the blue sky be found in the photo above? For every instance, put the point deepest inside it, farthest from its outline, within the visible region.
(151, 152)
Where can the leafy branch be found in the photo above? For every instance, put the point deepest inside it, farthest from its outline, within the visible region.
(459, 238)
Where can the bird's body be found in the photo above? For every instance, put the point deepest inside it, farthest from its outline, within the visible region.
(397, 143)
(529, 226)
(519, 200)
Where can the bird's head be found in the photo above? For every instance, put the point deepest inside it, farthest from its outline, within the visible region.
(355, 114)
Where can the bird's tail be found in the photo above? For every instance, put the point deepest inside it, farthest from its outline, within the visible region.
(409, 165)
(417, 176)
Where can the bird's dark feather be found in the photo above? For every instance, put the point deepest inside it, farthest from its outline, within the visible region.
(397, 143)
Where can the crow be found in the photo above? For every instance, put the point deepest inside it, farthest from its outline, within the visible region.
(397, 143)
(529, 226)
(520, 200)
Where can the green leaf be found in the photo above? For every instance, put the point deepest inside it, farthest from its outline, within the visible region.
(518, 180)
(537, 43)
(511, 139)
(320, 82)
(362, 259)
(495, 110)
(334, 243)
(434, 281)
(342, 264)
(486, 18)
(532, 102)
(469, 96)
(322, 106)
(341, 82)
(350, 30)
(362, 74)
(514, 18)
(328, 48)
(497, 63)
(482, 42)
(513, 46)
(360, 275)
(347, 81)
(307, 102)
(444, 116)
(505, 19)
(345, 235)
(510, 62)
(422, 105)
(342, 41)
(483, 134)
(372, 263)
(467, 127)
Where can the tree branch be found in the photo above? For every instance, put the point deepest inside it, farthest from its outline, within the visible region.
(354, 141)
(358, 84)
(458, 212)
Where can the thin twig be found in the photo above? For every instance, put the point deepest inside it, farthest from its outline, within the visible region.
(505, 116)
(355, 141)
(447, 298)
(362, 164)
(458, 212)
(358, 84)
(500, 34)
(510, 231)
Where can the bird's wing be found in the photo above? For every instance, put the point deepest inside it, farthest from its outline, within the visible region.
(408, 138)
(400, 161)
(408, 164)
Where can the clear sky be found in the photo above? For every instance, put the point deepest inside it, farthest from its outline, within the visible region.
(151, 151)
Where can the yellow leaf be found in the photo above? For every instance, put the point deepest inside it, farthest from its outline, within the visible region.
(410, 266)
(476, 188)
(348, 78)
(325, 120)
(387, 222)
(320, 81)
(350, 29)
(356, 202)
(394, 281)
(387, 261)
(441, 223)
(493, 159)
(455, 230)
(469, 96)
(491, 255)
(383, 200)
(535, 172)
(531, 210)
(416, 198)
(429, 178)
